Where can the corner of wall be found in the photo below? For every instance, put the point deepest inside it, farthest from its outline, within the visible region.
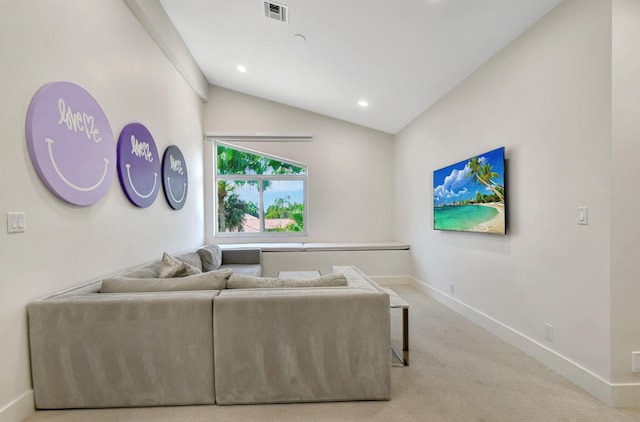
(625, 396)
(19, 409)
(158, 25)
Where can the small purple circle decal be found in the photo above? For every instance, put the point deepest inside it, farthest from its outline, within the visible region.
(138, 165)
(70, 143)
(174, 177)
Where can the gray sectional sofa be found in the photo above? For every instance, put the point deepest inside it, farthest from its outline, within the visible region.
(191, 337)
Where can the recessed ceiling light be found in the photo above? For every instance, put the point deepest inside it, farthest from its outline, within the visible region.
(363, 103)
(299, 37)
(241, 68)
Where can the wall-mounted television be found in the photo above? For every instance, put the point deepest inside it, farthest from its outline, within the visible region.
(470, 195)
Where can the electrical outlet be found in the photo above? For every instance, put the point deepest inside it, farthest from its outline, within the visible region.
(452, 288)
(548, 331)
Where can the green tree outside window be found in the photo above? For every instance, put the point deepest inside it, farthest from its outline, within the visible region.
(254, 192)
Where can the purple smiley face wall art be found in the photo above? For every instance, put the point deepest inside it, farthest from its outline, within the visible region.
(70, 143)
(175, 178)
(139, 165)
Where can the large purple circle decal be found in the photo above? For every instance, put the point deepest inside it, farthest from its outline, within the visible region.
(70, 143)
(138, 165)
(174, 176)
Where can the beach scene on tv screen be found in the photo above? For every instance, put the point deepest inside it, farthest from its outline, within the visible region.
(470, 195)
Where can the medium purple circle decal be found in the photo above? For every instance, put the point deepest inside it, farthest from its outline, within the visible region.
(138, 165)
(174, 177)
(70, 143)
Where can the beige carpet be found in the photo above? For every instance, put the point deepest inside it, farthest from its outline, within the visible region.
(458, 372)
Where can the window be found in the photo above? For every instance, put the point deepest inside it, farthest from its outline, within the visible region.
(258, 193)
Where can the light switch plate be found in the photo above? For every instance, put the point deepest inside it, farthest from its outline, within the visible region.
(583, 216)
(15, 222)
(635, 361)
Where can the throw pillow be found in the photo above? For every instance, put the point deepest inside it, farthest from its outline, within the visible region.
(211, 256)
(172, 267)
(240, 281)
(212, 280)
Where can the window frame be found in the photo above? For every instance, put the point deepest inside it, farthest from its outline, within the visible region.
(261, 178)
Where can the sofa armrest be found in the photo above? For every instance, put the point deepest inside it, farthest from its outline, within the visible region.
(356, 278)
(119, 350)
(241, 256)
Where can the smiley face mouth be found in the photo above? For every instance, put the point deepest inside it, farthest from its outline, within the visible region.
(155, 182)
(50, 142)
(184, 191)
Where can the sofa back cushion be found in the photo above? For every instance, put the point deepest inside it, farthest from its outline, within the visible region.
(211, 257)
(211, 280)
(191, 258)
(173, 267)
(148, 271)
(241, 281)
(245, 269)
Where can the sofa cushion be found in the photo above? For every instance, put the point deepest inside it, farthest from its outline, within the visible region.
(246, 269)
(211, 256)
(301, 345)
(148, 271)
(122, 350)
(191, 258)
(172, 267)
(241, 281)
(356, 278)
(211, 280)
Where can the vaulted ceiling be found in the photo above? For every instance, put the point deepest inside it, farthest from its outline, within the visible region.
(399, 56)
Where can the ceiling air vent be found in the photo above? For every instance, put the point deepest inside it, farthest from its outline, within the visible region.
(276, 11)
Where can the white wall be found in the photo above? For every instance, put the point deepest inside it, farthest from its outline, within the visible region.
(625, 198)
(101, 47)
(350, 167)
(547, 99)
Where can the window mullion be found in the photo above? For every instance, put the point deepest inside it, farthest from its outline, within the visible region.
(261, 190)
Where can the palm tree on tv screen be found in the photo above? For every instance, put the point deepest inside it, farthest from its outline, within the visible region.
(485, 175)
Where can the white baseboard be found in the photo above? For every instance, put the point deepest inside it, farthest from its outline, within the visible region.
(616, 395)
(18, 409)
